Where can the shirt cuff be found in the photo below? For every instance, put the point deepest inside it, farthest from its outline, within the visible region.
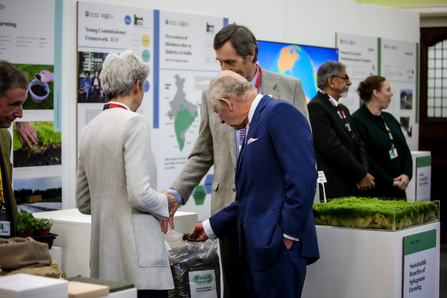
(208, 230)
(290, 237)
(177, 195)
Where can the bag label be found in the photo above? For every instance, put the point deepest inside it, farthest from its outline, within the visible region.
(202, 284)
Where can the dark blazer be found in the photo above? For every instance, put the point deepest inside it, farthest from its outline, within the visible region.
(341, 155)
(275, 184)
(6, 167)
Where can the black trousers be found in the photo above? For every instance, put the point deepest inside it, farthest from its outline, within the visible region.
(232, 266)
(152, 293)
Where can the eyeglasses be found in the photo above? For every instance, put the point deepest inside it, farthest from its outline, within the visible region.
(345, 77)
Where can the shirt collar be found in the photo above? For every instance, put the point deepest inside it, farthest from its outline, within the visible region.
(253, 107)
(253, 81)
(119, 103)
(331, 99)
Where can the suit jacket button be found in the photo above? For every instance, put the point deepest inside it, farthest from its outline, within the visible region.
(234, 189)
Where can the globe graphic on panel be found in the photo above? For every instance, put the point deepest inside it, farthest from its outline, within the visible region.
(294, 61)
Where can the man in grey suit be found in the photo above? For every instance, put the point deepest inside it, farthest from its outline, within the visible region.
(218, 145)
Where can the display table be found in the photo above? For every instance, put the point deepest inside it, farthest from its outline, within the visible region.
(367, 263)
(73, 229)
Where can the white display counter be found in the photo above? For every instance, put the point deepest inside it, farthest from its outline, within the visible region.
(419, 187)
(365, 263)
(73, 229)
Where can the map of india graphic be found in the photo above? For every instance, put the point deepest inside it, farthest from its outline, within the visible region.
(182, 111)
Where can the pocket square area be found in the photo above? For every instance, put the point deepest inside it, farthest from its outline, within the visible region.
(251, 140)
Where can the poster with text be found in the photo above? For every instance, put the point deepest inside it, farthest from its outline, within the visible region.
(30, 39)
(360, 55)
(177, 49)
(399, 66)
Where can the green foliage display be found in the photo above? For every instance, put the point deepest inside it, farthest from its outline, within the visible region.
(44, 223)
(374, 212)
(25, 221)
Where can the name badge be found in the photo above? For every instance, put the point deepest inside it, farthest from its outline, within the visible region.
(5, 229)
(393, 153)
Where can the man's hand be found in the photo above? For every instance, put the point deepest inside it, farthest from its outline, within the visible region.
(198, 229)
(27, 134)
(172, 207)
(366, 183)
(288, 242)
(402, 182)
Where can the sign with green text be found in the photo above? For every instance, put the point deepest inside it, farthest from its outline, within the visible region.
(419, 265)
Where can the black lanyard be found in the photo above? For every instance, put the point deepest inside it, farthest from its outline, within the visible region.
(389, 134)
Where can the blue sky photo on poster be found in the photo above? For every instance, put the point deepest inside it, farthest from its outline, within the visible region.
(298, 61)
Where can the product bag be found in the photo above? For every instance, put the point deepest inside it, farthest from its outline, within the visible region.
(195, 267)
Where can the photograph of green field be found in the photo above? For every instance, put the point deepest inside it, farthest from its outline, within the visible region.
(46, 152)
(41, 90)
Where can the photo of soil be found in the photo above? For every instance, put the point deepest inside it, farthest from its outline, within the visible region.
(41, 90)
(46, 152)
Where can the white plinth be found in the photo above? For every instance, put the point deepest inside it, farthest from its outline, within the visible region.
(73, 229)
(363, 263)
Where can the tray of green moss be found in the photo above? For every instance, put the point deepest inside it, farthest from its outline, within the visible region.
(374, 213)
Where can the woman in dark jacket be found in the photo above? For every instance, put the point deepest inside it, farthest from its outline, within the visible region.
(390, 159)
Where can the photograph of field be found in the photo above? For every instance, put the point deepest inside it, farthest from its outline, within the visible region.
(38, 194)
(46, 152)
(41, 90)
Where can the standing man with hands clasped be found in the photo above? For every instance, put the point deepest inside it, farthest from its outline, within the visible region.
(340, 152)
(219, 145)
(275, 182)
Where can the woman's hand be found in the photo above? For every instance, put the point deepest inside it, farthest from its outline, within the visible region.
(401, 182)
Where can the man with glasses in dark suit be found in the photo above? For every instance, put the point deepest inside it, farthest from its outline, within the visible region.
(340, 152)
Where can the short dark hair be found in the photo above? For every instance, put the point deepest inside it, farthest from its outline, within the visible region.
(242, 39)
(87, 72)
(11, 77)
(367, 87)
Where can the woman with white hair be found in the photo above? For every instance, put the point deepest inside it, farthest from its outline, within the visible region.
(116, 173)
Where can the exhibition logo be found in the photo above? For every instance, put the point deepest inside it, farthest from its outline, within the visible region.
(90, 14)
(209, 28)
(127, 20)
(168, 22)
(199, 279)
(137, 21)
(175, 23)
(107, 16)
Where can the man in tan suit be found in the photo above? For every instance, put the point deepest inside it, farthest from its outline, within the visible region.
(217, 144)
(13, 93)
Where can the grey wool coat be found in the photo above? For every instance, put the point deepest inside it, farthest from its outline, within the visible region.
(216, 143)
(116, 170)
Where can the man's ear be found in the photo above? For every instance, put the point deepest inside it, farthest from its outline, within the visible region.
(228, 102)
(251, 56)
(329, 82)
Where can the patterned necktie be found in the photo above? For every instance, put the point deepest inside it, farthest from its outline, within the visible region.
(243, 131)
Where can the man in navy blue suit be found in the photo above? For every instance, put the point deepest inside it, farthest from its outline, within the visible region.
(275, 182)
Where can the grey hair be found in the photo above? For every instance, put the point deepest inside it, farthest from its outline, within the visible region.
(327, 70)
(225, 86)
(120, 72)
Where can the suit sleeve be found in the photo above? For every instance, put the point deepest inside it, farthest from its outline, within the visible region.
(328, 144)
(223, 219)
(200, 159)
(299, 99)
(292, 140)
(139, 167)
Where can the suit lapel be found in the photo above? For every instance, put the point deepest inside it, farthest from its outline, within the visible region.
(331, 107)
(268, 84)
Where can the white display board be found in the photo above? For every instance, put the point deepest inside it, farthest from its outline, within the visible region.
(31, 40)
(360, 55)
(177, 49)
